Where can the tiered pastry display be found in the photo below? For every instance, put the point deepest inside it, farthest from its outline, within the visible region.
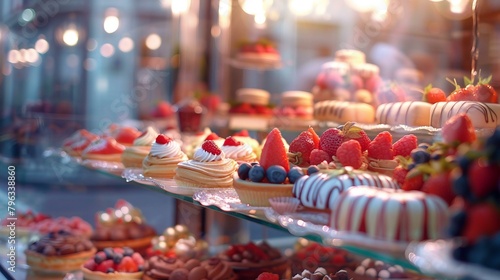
(164, 268)
(178, 242)
(78, 141)
(209, 168)
(295, 105)
(105, 149)
(114, 263)
(163, 157)
(134, 155)
(59, 252)
(262, 51)
(122, 226)
(250, 259)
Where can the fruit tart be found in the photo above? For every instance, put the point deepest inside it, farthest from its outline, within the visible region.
(123, 226)
(77, 142)
(125, 135)
(249, 260)
(58, 252)
(114, 263)
(73, 224)
(104, 149)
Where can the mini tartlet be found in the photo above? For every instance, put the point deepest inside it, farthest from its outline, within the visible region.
(59, 252)
(134, 155)
(114, 263)
(104, 149)
(163, 158)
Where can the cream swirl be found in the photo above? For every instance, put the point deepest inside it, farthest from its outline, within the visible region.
(237, 152)
(204, 156)
(169, 150)
(147, 138)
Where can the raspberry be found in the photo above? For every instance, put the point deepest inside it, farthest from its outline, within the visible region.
(268, 276)
(230, 141)
(303, 144)
(350, 154)
(163, 139)
(243, 133)
(211, 147)
(400, 174)
(414, 183)
(381, 146)
(127, 264)
(318, 156)
(330, 141)
(405, 145)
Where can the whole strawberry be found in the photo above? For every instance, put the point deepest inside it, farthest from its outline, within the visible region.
(405, 145)
(381, 146)
(350, 154)
(352, 132)
(458, 129)
(460, 93)
(330, 141)
(484, 92)
(301, 148)
(433, 94)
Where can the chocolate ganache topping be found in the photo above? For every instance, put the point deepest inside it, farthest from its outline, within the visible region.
(161, 267)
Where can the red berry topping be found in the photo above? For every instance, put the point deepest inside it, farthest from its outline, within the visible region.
(381, 146)
(483, 178)
(318, 156)
(104, 266)
(458, 129)
(413, 183)
(433, 95)
(212, 136)
(268, 276)
(303, 144)
(274, 151)
(350, 154)
(399, 174)
(405, 145)
(440, 184)
(350, 131)
(230, 141)
(314, 136)
(163, 139)
(482, 220)
(330, 141)
(243, 133)
(211, 147)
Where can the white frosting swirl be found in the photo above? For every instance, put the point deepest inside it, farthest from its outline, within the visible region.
(236, 152)
(204, 156)
(147, 139)
(97, 145)
(171, 149)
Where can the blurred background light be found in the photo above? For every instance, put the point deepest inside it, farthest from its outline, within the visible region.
(70, 36)
(126, 44)
(180, 6)
(111, 20)
(153, 41)
(41, 46)
(107, 50)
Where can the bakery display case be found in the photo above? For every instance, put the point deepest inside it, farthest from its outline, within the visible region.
(261, 139)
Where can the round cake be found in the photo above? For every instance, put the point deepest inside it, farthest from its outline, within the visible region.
(59, 251)
(389, 214)
(321, 190)
(296, 104)
(253, 96)
(350, 56)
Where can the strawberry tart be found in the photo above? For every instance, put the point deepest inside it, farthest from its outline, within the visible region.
(59, 252)
(209, 168)
(122, 226)
(260, 52)
(322, 190)
(114, 263)
(134, 155)
(295, 104)
(124, 135)
(238, 151)
(162, 159)
(78, 141)
(389, 214)
(105, 148)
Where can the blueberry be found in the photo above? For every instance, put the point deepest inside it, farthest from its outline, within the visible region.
(127, 251)
(109, 252)
(254, 163)
(436, 155)
(117, 258)
(98, 258)
(461, 186)
(420, 156)
(457, 223)
(243, 170)
(256, 173)
(494, 140)
(312, 169)
(480, 251)
(460, 253)
(110, 270)
(463, 162)
(276, 174)
(424, 146)
(294, 174)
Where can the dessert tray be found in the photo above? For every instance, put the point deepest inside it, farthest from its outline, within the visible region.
(435, 258)
(168, 185)
(227, 200)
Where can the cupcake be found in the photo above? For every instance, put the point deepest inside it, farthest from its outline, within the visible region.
(104, 149)
(209, 168)
(77, 142)
(59, 252)
(114, 263)
(163, 158)
(134, 155)
(249, 260)
(164, 268)
(123, 226)
(239, 151)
